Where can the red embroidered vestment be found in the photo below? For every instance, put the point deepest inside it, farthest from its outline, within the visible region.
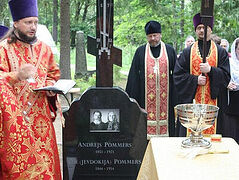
(203, 95)
(157, 92)
(28, 148)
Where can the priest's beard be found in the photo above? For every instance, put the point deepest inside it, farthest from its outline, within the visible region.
(154, 45)
(26, 38)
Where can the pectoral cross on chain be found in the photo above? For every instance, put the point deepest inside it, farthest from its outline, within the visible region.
(155, 68)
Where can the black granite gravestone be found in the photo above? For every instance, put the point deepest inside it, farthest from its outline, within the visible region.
(105, 133)
(108, 149)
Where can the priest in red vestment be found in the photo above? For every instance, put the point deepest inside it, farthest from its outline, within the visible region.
(150, 82)
(28, 148)
(210, 88)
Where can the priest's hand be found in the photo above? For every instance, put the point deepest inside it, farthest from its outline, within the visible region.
(202, 80)
(26, 71)
(205, 67)
(232, 86)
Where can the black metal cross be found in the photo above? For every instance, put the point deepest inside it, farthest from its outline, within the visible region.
(206, 14)
(102, 47)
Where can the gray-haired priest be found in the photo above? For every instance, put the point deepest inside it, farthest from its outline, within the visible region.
(150, 81)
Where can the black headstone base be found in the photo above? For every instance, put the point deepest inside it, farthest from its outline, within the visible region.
(105, 136)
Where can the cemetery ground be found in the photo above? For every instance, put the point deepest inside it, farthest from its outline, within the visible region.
(58, 129)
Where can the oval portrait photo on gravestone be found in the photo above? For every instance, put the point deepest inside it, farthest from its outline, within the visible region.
(104, 120)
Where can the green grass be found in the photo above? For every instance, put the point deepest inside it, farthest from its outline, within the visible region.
(120, 73)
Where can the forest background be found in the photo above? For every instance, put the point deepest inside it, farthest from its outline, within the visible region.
(65, 17)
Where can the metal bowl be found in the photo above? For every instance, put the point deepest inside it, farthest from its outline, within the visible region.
(196, 117)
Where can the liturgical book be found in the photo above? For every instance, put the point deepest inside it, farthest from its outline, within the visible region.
(62, 86)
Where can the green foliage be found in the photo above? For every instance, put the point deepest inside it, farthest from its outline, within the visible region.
(127, 57)
(45, 12)
(85, 83)
(117, 74)
(176, 22)
(4, 12)
(130, 21)
(83, 18)
(129, 24)
(130, 18)
(226, 19)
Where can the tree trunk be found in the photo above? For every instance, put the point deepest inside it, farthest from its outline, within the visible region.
(76, 19)
(87, 4)
(55, 21)
(65, 40)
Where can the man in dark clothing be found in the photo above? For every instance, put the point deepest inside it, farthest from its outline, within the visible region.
(150, 81)
(209, 88)
(97, 123)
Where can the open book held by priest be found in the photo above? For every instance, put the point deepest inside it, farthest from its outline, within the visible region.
(62, 86)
